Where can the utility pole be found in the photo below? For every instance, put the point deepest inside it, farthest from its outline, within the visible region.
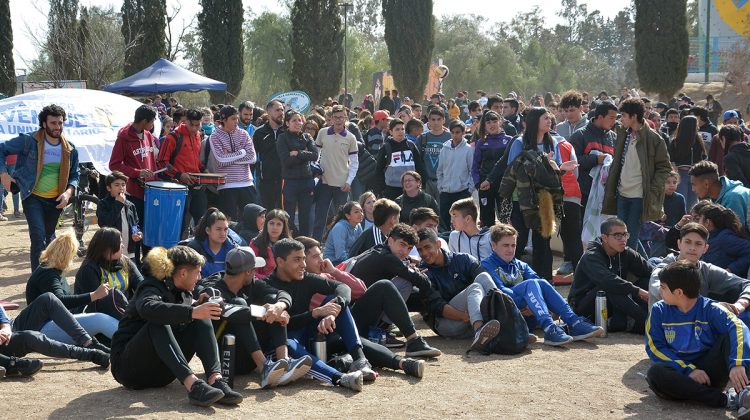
(708, 33)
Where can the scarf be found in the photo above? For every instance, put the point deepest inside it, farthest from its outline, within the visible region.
(66, 148)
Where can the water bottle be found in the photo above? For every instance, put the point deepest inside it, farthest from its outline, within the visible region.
(227, 359)
(601, 311)
(319, 347)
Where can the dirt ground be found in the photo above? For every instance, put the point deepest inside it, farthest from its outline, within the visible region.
(598, 379)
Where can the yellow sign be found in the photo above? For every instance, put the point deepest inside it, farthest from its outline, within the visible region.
(735, 13)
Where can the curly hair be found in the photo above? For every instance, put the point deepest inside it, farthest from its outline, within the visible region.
(51, 110)
(60, 252)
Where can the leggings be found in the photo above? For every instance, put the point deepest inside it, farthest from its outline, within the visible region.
(541, 297)
(382, 297)
(157, 354)
(47, 313)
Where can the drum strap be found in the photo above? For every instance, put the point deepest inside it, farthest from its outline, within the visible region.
(177, 146)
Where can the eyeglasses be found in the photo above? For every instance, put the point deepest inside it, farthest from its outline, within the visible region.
(619, 235)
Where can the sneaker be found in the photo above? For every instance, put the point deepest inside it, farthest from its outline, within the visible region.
(17, 214)
(362, 365)
(565, 269)
(23, 367)
(733, 401)
(583, 329)
(482, 338)
(296, 369)
(414, 367)
(418, 347)
(2, 372)
(392, 342)
(555, 336)
(272, 373)
(3, 218)
(203, 394)
(352, 380)
(95, 344)
(742, 404)
(231, 397)
(532, 339)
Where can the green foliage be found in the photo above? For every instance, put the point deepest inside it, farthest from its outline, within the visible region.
(317, 48)
(143, 25)
(268, 56)
(410, 37)
(661, 45)
(222, 47)
(7, 66)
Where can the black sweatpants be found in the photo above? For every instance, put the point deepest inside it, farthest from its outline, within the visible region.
(541, 255)
(232, 201)
(381, 297)
(668, 383)
(45, 308)
(270, 193)
(618, 305)
(195, 207)
(25, 342)
(570, 232)
(250, 334)
(158, 354)
(489, 204)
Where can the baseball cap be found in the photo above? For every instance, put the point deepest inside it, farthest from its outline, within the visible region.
(242, 259)
(661, 105)
(731, 114)
(381, 115)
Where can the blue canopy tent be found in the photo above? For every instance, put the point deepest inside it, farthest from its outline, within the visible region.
(162, 77)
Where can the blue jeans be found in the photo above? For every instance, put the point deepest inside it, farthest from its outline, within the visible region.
(93, 323)
(298, 194)
(41, 216)
(630, 210)
(539, 296)
(328, 199)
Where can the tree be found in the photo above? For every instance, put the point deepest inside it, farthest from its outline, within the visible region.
(661, 45)
(222, 47)
(7, 66)
(144, 24)
(317, 48)
(268, 56)
(410, 37)
(62, 21)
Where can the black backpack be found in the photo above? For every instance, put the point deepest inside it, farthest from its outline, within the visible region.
(514, 332)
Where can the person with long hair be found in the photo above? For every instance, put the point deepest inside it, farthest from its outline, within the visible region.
(737, 158)
(490, 146)
(367, 202)
(105, 263)
(296, 151)
(275, 228)
(342, 232)
(685, 150)
(728, 246)
(212, 241)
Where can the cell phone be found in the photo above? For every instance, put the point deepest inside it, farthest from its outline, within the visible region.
(257, 311)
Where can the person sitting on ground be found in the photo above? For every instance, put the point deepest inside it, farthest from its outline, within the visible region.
(116, 211)
(368, 304)
(697, 346)
(105, 264)
(333, 316)
(707, 184)
(413, 196)
(343, 232)
(163, 328)
(48, 278)
(239, 287)
(253, 219)
(729, 247)
(606, 265)
(673, 234)
(425, 217)
(367, 202)
(275, 228)
(534, 296)
(466, 235)
(212, 241)
(385, 215)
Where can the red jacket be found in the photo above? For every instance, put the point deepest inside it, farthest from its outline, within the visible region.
(266, 271)
(569, 180)
(188, 158)
(131, 154)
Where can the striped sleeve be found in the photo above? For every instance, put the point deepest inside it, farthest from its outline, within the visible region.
(656, 344)
(728, 323)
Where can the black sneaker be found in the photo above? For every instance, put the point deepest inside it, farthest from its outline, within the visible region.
(95, 344)
(100, 358)
(23, 367)
(414, 367)
(482, 338)
(230, 396)
(392, 342)
(203, 394)
(418, 347)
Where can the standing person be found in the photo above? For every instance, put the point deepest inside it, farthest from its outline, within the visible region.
(297, 152)
(116, 211)
(10, 162)
(246, 117)
(571, 106)
(338, 159)
(397, 157)
(570, 224)
(714, 109)
(375, 136)
(429, 144)
(685, 150)
(396, 100)
(510, 113)
(706, 128)
(737, 158)
(46, 174)
(495, 104)
(269, 166)
(234, 153)
(454, 172)
(386, 103)
(489, 148)
(635, 186)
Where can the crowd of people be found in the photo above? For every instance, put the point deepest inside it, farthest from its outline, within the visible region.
(329, 228)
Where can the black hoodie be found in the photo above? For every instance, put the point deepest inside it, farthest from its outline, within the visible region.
(737, 163)
(248, 227)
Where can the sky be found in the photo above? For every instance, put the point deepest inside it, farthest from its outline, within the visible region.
(28, 16)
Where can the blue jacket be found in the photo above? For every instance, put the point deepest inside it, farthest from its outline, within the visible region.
(26, 147)
(340, 240)
(214, 262)
(734, 196)
(729, 251)
(678, 338)
(451, 279)
(508, 274)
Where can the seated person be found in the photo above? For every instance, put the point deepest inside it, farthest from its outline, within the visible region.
(163, 328)
(385, 214)
(466, 236)
(459, 284)
(212, 241)
(606, 265)
(691, 368)
(343, 232)
(253, 219)
(707, 184)
(728, 247)
(116, 211)
(275, 228)
(425, 217)
(367, 202)
(413, 196)
(673, 234)
(105, 264)
(239, 287)
(48, 278)
(674, 210)
(334, 316)
(535, 297)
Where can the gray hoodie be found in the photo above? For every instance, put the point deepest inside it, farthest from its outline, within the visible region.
(716, 283)
(454, 167)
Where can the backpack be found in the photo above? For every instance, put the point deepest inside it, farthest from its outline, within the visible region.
(514, 332)
(367, 166)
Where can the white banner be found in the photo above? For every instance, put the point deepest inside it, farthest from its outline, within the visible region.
(93, 119)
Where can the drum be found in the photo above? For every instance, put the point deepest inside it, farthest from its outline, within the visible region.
(208, 179)
(163, 209)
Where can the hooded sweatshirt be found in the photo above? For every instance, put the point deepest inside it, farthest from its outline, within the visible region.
(454, 167)
(187, 158)
(130, 154)
(248, 228)
(737, 163)
(734, 196)
(728, 250)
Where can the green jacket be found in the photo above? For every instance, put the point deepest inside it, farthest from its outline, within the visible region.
(655, 166)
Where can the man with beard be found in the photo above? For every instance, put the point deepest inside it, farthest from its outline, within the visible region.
(269, 173)
(246, 117)
(46, 175)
